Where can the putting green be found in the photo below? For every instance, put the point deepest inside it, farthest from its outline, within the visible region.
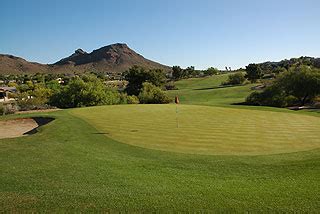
(205, 130)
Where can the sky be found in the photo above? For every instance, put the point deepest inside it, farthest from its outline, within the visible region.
(200, 33)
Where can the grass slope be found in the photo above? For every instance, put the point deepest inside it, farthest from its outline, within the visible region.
(208, 91)
(71, 166)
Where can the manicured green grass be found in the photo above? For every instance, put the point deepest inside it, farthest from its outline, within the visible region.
(74, 165)
(205, 130)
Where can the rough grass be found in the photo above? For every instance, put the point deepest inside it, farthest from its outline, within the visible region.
(205, 130)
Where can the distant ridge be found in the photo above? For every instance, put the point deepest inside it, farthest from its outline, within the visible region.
(115, 58)
(15, 65)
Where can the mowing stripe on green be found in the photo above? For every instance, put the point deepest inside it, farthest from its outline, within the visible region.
(205, 130)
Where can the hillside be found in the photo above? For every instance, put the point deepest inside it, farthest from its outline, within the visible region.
(15, 65)
(287, 63)
(114, 58)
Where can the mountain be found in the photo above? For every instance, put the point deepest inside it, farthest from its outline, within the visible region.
(115, 58)
(15, 65)
(112, 58)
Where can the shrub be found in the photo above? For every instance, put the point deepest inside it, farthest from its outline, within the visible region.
(152, 94)
(1, 109)
(35, 99)
(133, 100)
(127, 99)
(8, 108)
(79, 93)
(26, 103)
(171, 86)
(235, 79)
(271, 96)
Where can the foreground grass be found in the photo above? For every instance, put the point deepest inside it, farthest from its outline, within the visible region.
(69, 165)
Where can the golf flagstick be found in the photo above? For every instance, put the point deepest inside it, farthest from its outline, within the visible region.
(176, 100)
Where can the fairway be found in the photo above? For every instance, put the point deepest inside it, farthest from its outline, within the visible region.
(205, 130)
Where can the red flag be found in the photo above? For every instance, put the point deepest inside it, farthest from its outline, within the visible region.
(176, 100)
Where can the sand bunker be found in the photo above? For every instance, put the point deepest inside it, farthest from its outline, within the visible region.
(21, 127)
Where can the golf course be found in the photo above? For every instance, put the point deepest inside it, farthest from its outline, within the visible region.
(202, 155)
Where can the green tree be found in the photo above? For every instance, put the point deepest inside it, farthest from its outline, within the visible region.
(254, 72)
(136, 76)
(53, 85)
(299, 85)
(211, 71)
(177, 72)
(301, 82)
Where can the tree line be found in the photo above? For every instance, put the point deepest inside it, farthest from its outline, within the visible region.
(41, 91)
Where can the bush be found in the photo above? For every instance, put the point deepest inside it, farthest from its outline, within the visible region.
(133, 100)
(35, 99)
(79, 93)
(171, 86)
(26, 103)
(126, 99)
(152, 94)
(235, 79)
(271, 96)
(8, 108)
(2, 109)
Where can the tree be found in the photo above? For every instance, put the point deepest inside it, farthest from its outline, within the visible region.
(152, 94)
(53, 85)
(177, 72)
(271, 96)
(301, 82)
(189, 71)
(294, 87)
(254, 72)
(279, 70)
(211, 71)
(136, 76)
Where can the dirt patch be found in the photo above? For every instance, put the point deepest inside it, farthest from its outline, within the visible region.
(21, 127)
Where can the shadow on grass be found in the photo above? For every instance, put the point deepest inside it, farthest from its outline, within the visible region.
(41, 121)
(217, 87)
(100, 133)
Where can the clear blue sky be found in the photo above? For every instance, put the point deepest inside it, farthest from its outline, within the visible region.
(202, 33)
